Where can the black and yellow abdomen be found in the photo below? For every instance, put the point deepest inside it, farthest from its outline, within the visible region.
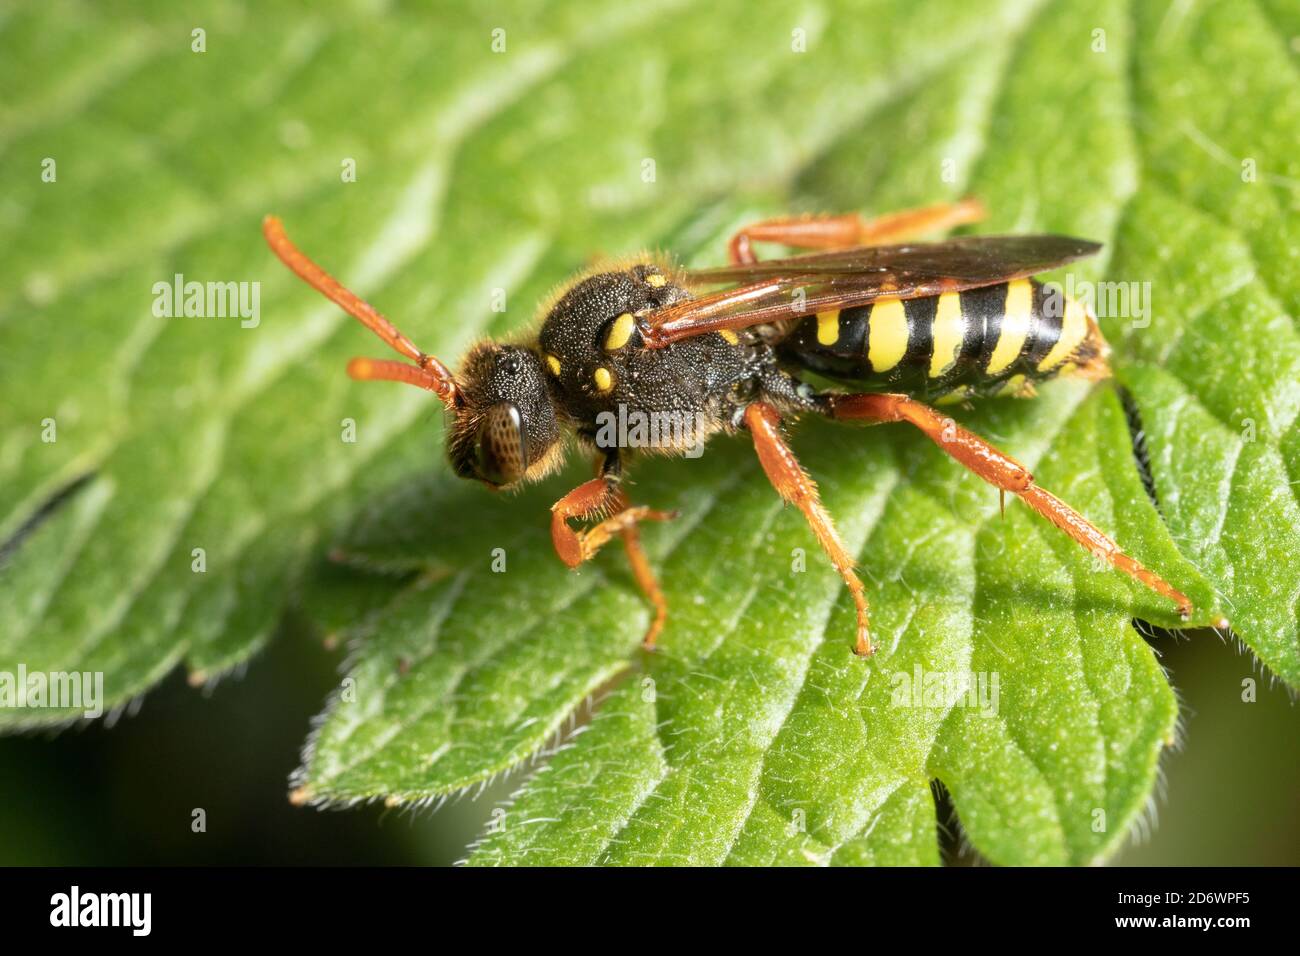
(998, 339)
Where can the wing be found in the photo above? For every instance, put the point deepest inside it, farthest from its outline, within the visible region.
(779, 289)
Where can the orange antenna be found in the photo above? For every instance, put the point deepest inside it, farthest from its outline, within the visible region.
(427, 372)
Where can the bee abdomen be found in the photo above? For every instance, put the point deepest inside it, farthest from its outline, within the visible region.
(985, 341)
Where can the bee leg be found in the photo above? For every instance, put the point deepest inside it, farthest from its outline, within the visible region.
(793, 484)
(850, 229)
(598, 496)
(1003, 472)
(645, 579)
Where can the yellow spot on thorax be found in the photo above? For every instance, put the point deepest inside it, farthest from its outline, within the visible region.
(1017, 317)
(1074, 329)
(949, 333)
(730, 337)
(619, 332)
(828, 327)
(553, 364)
(604, 380)
(655, 280)
(887, 334)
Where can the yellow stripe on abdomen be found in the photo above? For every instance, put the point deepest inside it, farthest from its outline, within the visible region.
(1074, 329)
(949, 333)
(828, 327)
(1017, 318)
(886, 334)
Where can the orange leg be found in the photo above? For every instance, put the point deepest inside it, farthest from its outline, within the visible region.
(841, 232)
(645, 579)
(1005, 473)
(601, 496)
(793, 484)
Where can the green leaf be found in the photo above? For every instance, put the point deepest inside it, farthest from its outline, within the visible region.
(753, 735)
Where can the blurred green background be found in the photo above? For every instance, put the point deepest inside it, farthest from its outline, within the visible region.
(125, 795)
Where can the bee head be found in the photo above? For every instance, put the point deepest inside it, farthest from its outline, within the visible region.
(505, 428)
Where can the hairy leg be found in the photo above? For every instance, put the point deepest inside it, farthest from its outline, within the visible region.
(1003, 472)
(793, 484)
(602, 496)
(850, 229)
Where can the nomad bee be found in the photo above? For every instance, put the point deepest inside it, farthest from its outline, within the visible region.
(900, 325)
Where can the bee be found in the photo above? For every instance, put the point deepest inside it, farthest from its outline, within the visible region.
(900, 325)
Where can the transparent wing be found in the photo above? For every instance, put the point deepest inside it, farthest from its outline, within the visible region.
(779, 289)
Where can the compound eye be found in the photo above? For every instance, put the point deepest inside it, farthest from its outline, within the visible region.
(500, 455)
